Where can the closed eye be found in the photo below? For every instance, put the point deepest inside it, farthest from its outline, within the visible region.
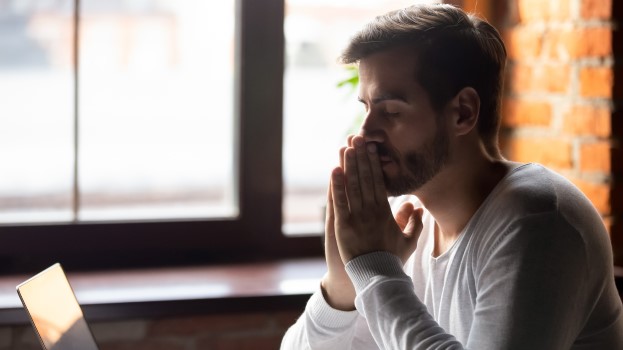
(365, 105)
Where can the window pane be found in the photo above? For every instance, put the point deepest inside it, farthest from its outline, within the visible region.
(156, 108)
(36, 113)
(318, 114)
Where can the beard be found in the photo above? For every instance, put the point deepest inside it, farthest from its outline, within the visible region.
(419, 166)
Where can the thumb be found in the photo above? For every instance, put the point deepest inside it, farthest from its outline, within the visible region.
(403, 214)
(413, 228)
(411, 233)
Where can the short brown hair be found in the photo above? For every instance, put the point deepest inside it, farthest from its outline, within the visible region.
(453, 50)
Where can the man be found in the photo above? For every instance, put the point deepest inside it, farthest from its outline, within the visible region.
(494, 255)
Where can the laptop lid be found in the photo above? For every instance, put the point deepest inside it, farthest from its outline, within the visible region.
(54, 311)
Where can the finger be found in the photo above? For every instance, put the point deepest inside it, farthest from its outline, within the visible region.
(412, 233)
(331, 249)
(404, 214)
(351, 175)
(349, 140)
(366, 183)
(378, 180)
(414, 226)
(342, 150)
(339, 199)
(329, 217)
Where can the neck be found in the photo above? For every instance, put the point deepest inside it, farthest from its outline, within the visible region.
(457, 191)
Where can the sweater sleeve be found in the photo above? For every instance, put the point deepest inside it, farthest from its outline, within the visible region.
(396, 317)
(533, 287)
(321, 327)
(530, 293)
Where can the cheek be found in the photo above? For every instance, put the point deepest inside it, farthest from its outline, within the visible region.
(407, 138)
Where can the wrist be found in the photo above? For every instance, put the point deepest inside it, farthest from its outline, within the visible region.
(339, 296)
(364, 268)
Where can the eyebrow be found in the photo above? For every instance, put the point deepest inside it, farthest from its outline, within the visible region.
(383, 98)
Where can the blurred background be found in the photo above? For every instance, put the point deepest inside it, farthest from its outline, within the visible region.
(134, 119)
(144, 128)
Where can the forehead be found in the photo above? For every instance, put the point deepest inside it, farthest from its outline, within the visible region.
(388, 70)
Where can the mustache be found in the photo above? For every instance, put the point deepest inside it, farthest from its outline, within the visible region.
(384, 151)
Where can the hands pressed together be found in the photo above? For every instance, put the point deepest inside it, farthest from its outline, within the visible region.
(359, 219)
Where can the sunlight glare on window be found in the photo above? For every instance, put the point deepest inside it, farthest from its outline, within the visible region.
(156, 107)
(36, 113)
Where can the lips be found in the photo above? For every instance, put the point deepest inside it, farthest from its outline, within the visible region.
(385, 155)
(385, 159)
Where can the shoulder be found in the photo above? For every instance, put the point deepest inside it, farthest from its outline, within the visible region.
(536, 206)
(533, 189)
(528, 189)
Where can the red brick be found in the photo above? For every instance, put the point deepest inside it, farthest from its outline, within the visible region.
(531, 10)
(539, 10)
(596, 9)
(578, 43)
(588, 121)
(519, 78)
(523, 42)
(210, 324)
(550, 152)
(521, 113)
(608, 223)
(598, 193)
(555, 78)
(596, 82)
(540, 78)
(595, 157)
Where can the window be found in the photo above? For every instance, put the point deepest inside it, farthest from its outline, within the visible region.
(36, 141)
(221, 152)
(155, 109)
(135, 135)
(152, 132)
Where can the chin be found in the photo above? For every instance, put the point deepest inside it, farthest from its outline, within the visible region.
(401, 184)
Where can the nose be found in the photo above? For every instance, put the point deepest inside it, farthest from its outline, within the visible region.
(371, 129)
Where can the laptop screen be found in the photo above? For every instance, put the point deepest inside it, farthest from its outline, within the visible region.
(54, 311)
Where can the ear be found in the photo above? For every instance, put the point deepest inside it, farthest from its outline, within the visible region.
(466, 104)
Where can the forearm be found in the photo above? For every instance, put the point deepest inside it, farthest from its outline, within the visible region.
(321, 327)
(395, 316)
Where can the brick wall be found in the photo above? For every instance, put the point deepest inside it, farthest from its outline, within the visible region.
(246, 331)
(562, 106)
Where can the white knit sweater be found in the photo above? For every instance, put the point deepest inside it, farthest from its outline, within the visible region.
(531, 270)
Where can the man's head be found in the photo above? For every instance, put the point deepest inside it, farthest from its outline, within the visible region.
(433, 53)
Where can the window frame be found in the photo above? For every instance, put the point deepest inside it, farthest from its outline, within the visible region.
(255, 235)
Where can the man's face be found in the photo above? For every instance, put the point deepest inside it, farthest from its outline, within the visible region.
(412, 138)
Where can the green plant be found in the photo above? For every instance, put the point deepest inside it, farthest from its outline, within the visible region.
(352, 82)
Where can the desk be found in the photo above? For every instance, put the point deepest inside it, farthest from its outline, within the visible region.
(117, 295)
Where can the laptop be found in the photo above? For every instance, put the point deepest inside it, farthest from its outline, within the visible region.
(54, 311)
